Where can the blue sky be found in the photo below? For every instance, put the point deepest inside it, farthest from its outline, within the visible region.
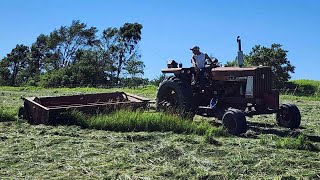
(170, 28)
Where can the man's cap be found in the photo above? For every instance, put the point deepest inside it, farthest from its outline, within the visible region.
(195, 48)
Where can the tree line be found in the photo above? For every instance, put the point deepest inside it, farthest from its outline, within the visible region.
(78, 55)
(75, 54)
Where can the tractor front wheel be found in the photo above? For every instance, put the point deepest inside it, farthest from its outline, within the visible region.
(288, 116)
(234, 121)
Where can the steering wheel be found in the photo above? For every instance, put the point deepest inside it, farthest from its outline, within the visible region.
(215, 65)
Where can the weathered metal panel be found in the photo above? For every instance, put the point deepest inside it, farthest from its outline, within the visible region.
(262, 81)
(231, 73)
(35, 112)
(47, 110)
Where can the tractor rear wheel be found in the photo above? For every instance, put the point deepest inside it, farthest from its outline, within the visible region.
(288, 116)
(175, 96)
(234, 121)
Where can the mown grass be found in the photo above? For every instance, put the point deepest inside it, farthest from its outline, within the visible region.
(300, 142)
(266, 151)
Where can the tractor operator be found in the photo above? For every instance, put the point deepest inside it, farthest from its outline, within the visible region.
(198, 61)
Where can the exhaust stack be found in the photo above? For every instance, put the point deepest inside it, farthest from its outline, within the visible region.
(240, 53)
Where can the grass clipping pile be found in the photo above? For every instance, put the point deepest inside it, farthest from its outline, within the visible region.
(137, 121)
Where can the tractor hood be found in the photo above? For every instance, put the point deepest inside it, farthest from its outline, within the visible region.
(232, 73)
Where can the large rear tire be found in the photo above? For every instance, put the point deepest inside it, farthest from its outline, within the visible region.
(234, 121)
(175, 96)
(288, 116)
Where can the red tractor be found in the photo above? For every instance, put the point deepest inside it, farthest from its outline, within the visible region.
(228, 94)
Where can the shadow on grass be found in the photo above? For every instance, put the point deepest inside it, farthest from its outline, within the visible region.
(265, 128)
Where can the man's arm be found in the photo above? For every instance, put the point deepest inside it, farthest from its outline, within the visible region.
(208, 58)
(193, 61)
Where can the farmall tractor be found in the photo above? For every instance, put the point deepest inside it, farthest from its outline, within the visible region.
(229, 94)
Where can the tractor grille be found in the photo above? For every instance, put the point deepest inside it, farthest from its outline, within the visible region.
(262, 81)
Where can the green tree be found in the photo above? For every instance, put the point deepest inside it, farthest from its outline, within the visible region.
(235, 62)
(67, 40)
(4, 72)
(276, 58)
(135, 67)
(18, 60)
(74, 55)
(156, 81)
(39, 55)
(122, 45)
(89, 69)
